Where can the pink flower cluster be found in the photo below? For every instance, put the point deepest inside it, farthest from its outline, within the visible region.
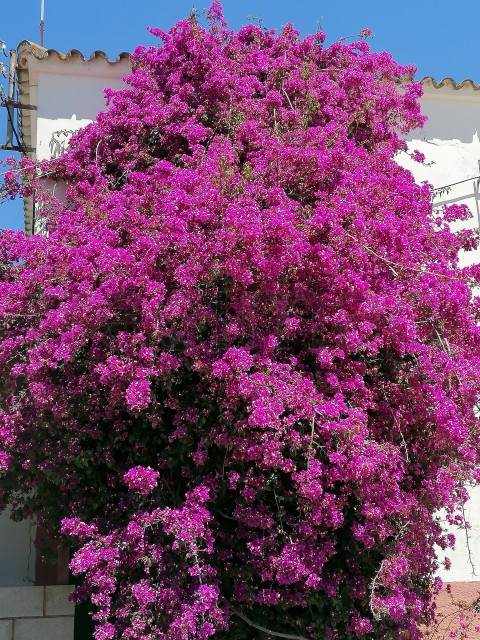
(141, 479)
(240, 372)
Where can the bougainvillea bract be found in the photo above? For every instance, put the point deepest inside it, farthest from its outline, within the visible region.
(239, 372)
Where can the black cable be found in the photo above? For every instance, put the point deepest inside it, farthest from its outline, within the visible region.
(455, 183)
(19, 141)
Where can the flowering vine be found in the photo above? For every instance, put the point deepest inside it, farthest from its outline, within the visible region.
(240, 370)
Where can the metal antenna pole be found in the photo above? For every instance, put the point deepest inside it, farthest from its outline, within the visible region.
(42, 22)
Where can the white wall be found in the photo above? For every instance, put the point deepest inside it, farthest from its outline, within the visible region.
(17, 552)
(69, 93)
(451, 145)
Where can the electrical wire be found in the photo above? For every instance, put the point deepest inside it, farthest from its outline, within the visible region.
(39, 175)
(446, 186)
(20, 144)
(12, 124)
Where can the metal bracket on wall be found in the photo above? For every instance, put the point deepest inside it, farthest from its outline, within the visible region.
(16, 147)
(8, 102)
(11, 104)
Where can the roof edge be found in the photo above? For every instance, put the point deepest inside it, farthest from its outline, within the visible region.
(450, 83)
(40, 53)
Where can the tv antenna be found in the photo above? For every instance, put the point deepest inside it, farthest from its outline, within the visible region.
(42, 22)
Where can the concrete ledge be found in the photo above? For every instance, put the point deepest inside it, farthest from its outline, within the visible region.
(36, 613)
(6, 629)
(21, 602)
(57, 602)
(43, 629)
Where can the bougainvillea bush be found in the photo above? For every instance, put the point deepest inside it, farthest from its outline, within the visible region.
(239, 374)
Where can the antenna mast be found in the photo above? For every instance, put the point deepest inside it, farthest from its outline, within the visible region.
(42, 23)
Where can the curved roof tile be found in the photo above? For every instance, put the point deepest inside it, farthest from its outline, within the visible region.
(450, 82)
(26, 49)
(74, 54)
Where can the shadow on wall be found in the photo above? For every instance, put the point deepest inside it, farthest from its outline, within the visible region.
(17, 552)
(59, 142)
(450, 119)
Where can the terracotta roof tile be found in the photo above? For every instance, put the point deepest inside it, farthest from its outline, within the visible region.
(41, 53)
(450, 83)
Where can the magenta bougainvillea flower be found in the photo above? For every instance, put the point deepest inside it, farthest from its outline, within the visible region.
(240, 373)
(142, 479)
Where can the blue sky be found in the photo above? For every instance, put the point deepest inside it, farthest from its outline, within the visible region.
(440, 37)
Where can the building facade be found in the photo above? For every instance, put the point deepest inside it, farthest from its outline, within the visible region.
(57, 94)
(60, 93)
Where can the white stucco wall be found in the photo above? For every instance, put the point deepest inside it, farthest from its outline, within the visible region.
(450, 142)
(451, 145)
(69, 93)
(69, 100)
(17, 552)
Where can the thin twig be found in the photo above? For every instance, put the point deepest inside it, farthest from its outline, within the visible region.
(96, 149)
(373, 587)
(402, 438)
(243, 617)
(288, 98)
(312, 433)
(392, 264)
(224, 515)
(467, 539)
(282, 530)
(397, 424)
(443, 343)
